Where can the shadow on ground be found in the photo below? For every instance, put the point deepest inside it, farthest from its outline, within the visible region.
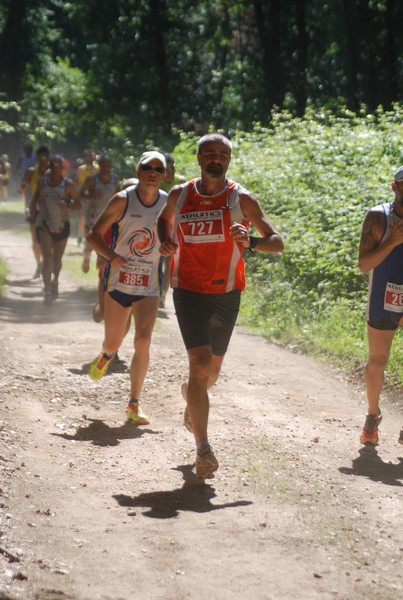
(369, 464)
(101, 434)
(28, 306)
(195, 495)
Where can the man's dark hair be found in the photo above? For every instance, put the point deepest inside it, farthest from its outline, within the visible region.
(169, 158)
(214, 137)
(42, 150)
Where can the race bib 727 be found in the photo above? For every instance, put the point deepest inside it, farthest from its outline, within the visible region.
(203, 226)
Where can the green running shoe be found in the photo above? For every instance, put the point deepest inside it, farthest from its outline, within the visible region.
(99, 366)
(135, 414)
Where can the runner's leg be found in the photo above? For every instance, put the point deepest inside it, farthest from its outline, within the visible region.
(115, 324)
(45, 242)
(144, 313)
(379, 344)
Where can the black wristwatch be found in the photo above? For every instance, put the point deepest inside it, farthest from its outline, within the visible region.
(253, 242)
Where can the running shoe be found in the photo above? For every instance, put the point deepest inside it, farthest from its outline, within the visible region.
(135, 414)
(47, 298)
(369, 433)
(400, 440)
(206, 463)
(38, 271)
(54, 289)
(99, 366)
(85, 266)
(186, 418)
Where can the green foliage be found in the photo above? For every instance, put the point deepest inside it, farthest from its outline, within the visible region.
(93, 69)
(5, 125)
(55, 100)
(315, 178)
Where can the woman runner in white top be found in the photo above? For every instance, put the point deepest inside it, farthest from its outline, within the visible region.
(55, 196)
(131, 277)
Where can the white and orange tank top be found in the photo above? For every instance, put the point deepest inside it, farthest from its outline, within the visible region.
(208, 259)
(135, 238)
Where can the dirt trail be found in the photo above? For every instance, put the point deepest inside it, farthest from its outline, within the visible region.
(92, 508)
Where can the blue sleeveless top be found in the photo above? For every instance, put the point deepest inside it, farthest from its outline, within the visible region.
(385, 292)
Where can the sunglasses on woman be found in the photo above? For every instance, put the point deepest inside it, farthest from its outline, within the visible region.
(150, 168)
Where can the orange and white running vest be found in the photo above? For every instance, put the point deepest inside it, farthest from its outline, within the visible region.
(208, 259)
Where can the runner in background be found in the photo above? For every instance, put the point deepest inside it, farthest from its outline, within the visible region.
(29, 183)
(55, 196)
(26, 161)
(5, 175)
(170, 179)
(97, 190)
(89, 167)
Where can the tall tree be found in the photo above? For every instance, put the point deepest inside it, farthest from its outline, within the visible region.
(17, 43)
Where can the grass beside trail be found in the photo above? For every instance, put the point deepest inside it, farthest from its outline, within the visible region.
(315, 178)
(3, 275)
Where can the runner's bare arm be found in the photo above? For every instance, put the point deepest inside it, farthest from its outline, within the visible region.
(111, 213)
(165, 224)
(34, 202)
(270, 240)
(26, 180)
(72, 192)
(86, 188)
(371, 252)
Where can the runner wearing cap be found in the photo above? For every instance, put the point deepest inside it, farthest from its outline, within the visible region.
(381, 255)
(131, 273)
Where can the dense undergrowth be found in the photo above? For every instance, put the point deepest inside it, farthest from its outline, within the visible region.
(315, 177)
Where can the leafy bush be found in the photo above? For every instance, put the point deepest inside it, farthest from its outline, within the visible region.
(315, 178)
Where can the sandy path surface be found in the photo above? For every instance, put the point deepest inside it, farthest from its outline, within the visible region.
(93, 508)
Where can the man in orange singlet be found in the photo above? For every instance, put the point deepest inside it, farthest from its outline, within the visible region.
(204, 228)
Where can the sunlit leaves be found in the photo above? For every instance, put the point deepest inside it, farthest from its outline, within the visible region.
(315, 177)
(54, 99)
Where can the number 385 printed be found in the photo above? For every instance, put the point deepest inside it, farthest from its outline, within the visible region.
(134, 279)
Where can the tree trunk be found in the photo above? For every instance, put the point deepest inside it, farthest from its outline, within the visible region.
(301, 52)
(268, 28)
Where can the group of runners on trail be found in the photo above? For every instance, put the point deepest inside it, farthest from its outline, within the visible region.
(157, 229)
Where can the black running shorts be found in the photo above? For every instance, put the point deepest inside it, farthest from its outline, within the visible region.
(125, 300)
(206, 319)
(384, 324)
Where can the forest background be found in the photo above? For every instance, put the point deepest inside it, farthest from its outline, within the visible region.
(310, 92)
